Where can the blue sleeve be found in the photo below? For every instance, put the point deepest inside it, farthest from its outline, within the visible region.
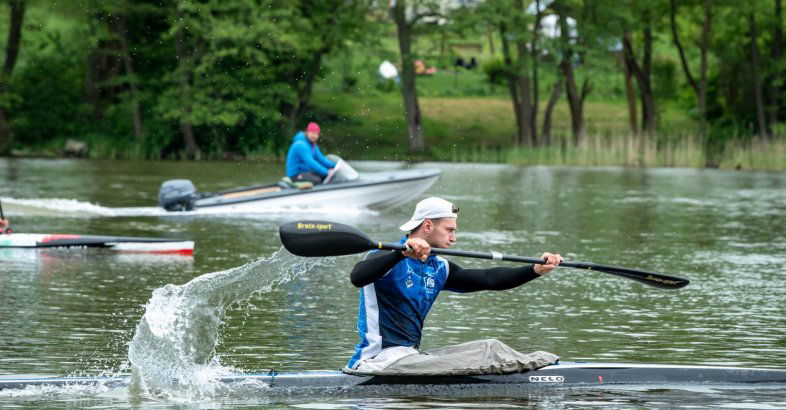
(323, 159)
(304, 153)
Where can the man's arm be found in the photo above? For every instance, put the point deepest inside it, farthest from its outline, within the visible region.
(374, 266)
(473, 280)
(322, 159)
(304, 152)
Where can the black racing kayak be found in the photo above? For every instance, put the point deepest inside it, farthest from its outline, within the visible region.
(560, 374)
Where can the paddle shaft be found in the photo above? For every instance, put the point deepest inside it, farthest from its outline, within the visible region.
(323, 238)
(649, 278)
(469, 254)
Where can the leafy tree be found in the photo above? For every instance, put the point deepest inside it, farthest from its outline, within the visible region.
(110, 54)
(407, 15)
(641, 16)
(17, 8)
(775, 79)
(247, 65)
(699, 87)
(569, 51)
(518, 25)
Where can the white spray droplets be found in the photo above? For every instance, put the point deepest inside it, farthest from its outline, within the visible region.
(173, 350)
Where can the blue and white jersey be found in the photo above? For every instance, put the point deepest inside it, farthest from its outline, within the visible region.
(393, 308)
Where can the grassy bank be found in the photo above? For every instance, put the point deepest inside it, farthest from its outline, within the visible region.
(631, 151)
(480, 129)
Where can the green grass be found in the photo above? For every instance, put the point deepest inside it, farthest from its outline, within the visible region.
(646, 152)
(356, 123)
(480, 129)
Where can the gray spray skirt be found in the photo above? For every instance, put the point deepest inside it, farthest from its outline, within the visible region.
(488, 356)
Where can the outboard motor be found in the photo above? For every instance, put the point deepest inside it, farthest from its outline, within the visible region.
(177, 195)
(344, 172)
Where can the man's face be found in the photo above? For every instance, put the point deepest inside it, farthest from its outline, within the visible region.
(312, 136)
(441, 233)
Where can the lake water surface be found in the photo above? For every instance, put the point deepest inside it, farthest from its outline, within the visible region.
(75, 312)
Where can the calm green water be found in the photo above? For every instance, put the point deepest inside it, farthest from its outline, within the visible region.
(74, 312)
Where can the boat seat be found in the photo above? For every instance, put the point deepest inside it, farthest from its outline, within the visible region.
(286, 182)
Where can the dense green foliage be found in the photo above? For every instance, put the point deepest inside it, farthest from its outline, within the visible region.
(243, 67)
(136, 78)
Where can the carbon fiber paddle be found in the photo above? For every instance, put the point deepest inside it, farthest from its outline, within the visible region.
(322, 238)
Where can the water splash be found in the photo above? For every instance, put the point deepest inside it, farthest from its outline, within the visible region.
(172, 353)
(82, 209)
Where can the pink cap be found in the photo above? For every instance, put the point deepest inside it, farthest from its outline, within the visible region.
(312, 126)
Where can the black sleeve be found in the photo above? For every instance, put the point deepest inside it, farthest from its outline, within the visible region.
(472, 280)
(374, 266)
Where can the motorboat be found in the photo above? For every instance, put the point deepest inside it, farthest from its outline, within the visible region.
(345, 187)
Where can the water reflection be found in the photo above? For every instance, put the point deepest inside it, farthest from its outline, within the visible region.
(74, 313)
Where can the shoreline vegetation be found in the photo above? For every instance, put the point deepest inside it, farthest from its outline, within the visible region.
(624, 151)
(479, 130)
(559, 82)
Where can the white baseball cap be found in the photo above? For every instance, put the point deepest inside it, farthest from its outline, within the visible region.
(430, 208)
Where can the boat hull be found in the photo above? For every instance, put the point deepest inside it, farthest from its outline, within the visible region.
(378, 190)
(114, 243)
(562, 374)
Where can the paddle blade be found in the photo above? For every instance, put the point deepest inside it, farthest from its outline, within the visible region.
(657, 280)
(321, 238)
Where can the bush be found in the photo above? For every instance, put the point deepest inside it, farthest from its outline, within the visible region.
(495, 71)
(664, 71)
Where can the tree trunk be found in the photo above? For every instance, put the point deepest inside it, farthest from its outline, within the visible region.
(777, 53)
(491, 42)
(699, 88)
(442, 45)
(760, 117)
(512, 88)
(184, 68)
(574, 102)
(555, 94)
(408, 88)
(91, 74)
(534, 57)
(705, 46)
(293, 112)
(103, 64)
(11, 55)
(647, 99)
(118, 24)
(630, 93)
(643, 79)
(525, 92)
(574, 98)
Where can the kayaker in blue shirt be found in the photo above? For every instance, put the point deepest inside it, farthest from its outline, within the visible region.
(305, 161)
(399, 288)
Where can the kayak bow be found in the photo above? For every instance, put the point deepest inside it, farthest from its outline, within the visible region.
(114, 243)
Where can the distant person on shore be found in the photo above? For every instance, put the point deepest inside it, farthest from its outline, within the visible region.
(388, 71)
(421, 69)
(305, 161)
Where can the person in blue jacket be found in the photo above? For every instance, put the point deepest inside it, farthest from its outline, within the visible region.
(305, 161)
